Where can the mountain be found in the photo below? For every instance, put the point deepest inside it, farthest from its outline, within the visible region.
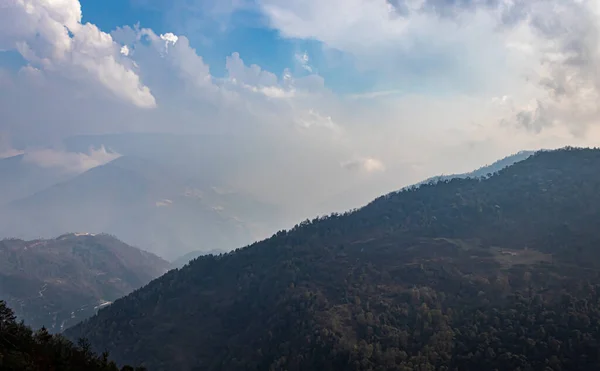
(58, 282)
(375, 185)
(485, 170)
(139, 201)
(20, 178)
(183, 260)
(499, 273)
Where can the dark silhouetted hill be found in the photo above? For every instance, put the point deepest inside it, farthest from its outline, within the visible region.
(22, 349)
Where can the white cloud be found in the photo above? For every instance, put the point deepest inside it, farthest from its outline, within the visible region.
(170, 38)
(163, 203)
(368, 164)
(252, 75)
(565, 35)
(50, 35)
(303, 60)
(71, 162)
(544, 52)
(312, 118)
(340, 24)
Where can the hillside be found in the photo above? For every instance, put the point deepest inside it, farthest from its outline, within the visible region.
(467, 274)
(59, 282)
(137, 200)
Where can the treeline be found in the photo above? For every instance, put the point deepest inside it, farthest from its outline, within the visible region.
(22, 349)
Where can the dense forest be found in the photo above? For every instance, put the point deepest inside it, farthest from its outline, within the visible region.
(500, 273)
(22, 349)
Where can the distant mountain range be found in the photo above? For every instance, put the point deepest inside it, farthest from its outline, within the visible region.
(58, 282)
(138, 200)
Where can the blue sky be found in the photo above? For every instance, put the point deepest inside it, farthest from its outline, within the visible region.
(246, 32)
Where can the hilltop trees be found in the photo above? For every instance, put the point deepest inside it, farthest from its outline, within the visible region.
(22, 349)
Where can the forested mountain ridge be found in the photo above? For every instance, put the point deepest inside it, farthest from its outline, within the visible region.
(484, 170)
(467, 274)
(58, 282)
(185, 259)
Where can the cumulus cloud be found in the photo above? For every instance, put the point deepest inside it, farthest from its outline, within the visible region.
(546, 50)
(566, 37)
(51, 36)
(252, 75)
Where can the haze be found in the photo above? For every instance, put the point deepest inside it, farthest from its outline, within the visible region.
(273, 111)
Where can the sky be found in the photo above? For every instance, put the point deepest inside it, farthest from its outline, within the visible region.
(345, 96)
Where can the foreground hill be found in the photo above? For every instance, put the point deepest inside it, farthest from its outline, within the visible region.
(22, 349)
(140, 201)
(469, 274)
(57, 283)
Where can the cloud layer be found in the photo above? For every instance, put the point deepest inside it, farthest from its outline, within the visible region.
(546, 51)
(457, 85)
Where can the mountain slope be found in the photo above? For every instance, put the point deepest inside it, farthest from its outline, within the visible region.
(467, 274)
(353, 195)
(485, 170)
(20, 178)
(56, 283)
(184, 259)
(134, 199)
